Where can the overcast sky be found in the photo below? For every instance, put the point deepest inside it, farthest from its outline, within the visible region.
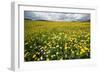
(53, 16)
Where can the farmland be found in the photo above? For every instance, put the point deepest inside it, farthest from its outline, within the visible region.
(49, 40)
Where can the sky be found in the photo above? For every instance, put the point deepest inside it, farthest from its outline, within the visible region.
(54, 16)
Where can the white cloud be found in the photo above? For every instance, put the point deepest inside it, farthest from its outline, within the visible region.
(56, 16)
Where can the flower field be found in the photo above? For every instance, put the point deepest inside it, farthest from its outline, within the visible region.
(48, 40)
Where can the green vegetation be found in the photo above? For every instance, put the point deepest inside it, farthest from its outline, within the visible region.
(45, 40)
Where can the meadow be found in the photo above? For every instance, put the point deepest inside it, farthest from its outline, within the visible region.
(49, 40)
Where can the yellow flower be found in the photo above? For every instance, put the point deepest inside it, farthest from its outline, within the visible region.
(72, 52)
(65, 45)
(48, 51)
(82, 50)
(57, 53)
(47, 59)
(80, 47)
(34, 56)
(61, 58)
(57, 46)
(41, 57)
(77, 53)
(38, 59)
(81, 53)
(26, 54)
(86, 48)
(30, 46)
(66, 55)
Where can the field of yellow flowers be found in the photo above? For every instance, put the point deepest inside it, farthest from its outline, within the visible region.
(45, 40)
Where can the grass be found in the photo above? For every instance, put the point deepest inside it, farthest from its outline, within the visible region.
(45, 40)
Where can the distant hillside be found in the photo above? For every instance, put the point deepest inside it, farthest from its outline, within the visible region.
(27, 19)
(56, 21)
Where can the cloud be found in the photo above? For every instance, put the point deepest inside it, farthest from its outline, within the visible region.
(52, 16)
